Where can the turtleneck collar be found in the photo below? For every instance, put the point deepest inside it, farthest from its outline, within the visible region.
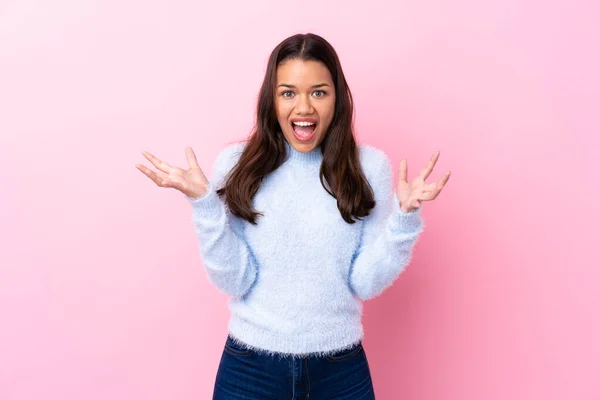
(312, 157)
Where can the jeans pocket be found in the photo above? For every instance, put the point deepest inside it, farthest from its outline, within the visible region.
(345, 354)
(236, 349)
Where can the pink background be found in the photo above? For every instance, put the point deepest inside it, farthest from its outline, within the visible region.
(102, 290)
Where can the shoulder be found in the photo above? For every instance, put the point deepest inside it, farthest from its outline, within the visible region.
(231, 153)
(227, 158)
(374, 162)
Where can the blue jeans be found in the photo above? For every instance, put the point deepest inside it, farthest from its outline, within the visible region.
(245, 374)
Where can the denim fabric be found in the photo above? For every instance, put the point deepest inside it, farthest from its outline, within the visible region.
(245, 374)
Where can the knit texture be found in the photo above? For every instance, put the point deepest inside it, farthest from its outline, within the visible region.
(297, 280)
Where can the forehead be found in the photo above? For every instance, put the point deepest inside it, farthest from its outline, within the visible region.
(303, 73)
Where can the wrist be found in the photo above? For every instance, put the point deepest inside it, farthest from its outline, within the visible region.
(408, 209)
(200, 193)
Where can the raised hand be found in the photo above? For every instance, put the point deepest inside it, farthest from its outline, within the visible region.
(411, 194)
(191, 182)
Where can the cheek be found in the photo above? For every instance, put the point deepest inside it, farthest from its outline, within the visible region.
(327, 111)
(282, 110)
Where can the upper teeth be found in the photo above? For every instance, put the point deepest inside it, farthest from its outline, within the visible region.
(303, 123)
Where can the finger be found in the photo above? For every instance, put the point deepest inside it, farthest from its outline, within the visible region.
(425, 172)
(158, 178)
(428, 196)
(146, 171)
(441, 183)
(444, 180)
(160, 165)
(403, 170)
(167, 182)
(432, 191)
(191, 157)
(429, 187)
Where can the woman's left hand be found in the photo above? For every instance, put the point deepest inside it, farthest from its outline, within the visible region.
(411, 194)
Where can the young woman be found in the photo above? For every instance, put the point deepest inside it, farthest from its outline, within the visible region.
(299, 225)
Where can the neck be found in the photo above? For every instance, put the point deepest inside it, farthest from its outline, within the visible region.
(314, 156)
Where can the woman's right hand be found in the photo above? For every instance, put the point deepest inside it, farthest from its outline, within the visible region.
(191, 182)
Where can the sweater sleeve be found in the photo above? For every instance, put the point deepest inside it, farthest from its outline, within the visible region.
(227, 258)
(388, 234)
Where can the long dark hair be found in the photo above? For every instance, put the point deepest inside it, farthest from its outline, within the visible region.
(341, 174)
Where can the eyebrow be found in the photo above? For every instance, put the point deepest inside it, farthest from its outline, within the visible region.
(294, 87)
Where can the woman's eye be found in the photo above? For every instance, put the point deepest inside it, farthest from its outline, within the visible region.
(285, 94)
(322, 93)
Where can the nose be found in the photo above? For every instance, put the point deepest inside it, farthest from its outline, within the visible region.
(303, 105)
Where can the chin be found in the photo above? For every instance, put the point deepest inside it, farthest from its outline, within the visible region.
(303, 147)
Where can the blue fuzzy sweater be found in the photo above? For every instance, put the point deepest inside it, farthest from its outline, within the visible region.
(297, 279)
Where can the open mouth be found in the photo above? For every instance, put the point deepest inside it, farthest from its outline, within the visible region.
(304, 131)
